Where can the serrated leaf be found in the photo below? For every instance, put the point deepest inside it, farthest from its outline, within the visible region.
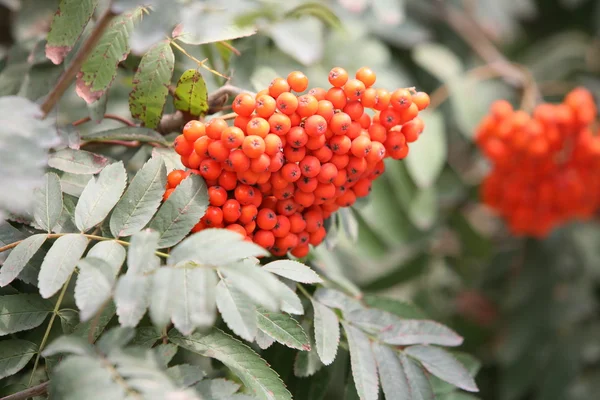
(408, 332)
(19, 257)
(190, 93)
(237, 310)
(364, 368)
(185, 375)
(443, 365)
(170, 157)
(164, 353)
(261, 380)
(83, 329)
(263, 340)
(93, 287)
(327, 332)
(217, 388)
(182, 210)
(128, 133)
(97, 109)
(69, 345)
(419, 386)
(293, 270)
(307, 363)
(283, 328)
(215, 247)
(150, 84)
(60, 262)
(115, 338)
(399, 308)
(111, 252)
(394, 381)
(428, 155)
(14, 356)
(21, 312)
(100, 68)
(48, 202)
(256, 283)
(290, 301)
(67, 26)
(100, 196)
(336, 299)
(132, 298)
(140, 254)
(77, 161)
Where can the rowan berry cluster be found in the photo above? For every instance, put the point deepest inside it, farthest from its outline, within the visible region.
(546, 165)
(290, 160)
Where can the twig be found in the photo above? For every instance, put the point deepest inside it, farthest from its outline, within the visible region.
(36, 390)
(107, 116)
(67, 77)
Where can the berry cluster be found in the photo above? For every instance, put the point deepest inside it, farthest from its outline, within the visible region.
(290, 160)
(545, 165)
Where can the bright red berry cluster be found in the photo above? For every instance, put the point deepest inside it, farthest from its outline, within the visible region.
(546, 166)
(290, 160)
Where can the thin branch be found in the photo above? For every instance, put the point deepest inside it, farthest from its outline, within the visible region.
(67, 77)
(37, 390)
(107, 116)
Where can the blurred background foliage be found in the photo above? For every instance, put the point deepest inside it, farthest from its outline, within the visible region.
(528, 309)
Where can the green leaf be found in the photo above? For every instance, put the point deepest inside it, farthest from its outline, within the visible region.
(182, 210)
(97, 109)
(215, 247)
(100, 68)
(419, 386)
(98, 325)
(115, 338)
(327, 332)
(77, 161)
(237, 310)
(438, 60)
(140, 254)
(428, 155)
(408, 332)
(150, 84)
(185, 375)
(263, 340)
(14, 356)
(100, 196)
(364, 368)
(127, 133)
(48, 202)
(93, 287)
(216, 388)
(283, 328)
(67, 26)
(317, 10)
(141, 199)
(19, 257)
(245, 363)
(443, 365)
(293, 270)
(60, 262)
(336, 299)
(170, 157)
(111, 252)
(399, 308)
(190, 94)
(69, 345)
(164, 353)
(21, 312)
(132, 298)
(301, 39)
(394, 381)
(156, 25)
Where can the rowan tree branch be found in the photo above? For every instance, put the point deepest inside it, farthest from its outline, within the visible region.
(33, 391)
(107, 116)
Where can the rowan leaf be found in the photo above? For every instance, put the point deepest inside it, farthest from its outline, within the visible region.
(190, 93)
(420, 388)
(111, 252)
(14, 356)
(364, 368)
(293, 270)
(132, 298)
(59, 263)
(237, 310)
(19, 257)
(140, 254)
(327, 332)
(77, 161)
(93, 287)
(21, 312)
(394, 381)
(127, 133)
(48, 202)
(283, 328)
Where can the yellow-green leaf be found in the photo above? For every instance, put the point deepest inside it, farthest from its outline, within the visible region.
(191, 95)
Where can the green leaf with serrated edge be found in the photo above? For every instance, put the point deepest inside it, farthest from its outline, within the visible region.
(218, 388)
(19, 257)
(182, 210)
(68, 320)
(420, 388)
(67, 26)
(93, 287)
(394, 381)
(69, 345)
(336, 299)
(261, 380)
(170, 157)
(293, 270)
(214, 247)
(290, 301)
(283, 328)
(128, 133)
(66, 222)
(428, 155)
(472, 365)
(254, 282)
(146, 336)
(141, 199)
(97, 109)
(164, 353)
(100, 68)
(151, 84)
(79, 162)
(237, 310)
(48, 202)
(399, 308)
(21, 312)
(185, 375)
(111, 252)
(408, 332)
(14, 356)
(60, 262)
(443, 365)
(190, 93)
(364, 368)
(140, 253)
(100, 196)
(307, 363)
(132, 298)
(327, 332)
(99, 324)
(263, 340)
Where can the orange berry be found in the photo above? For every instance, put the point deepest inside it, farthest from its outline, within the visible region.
(218, 151)
(193, 130)
(167, 194)
(400, 99)
(214, 128)
(340, 123)
(307, 105)
(227, 180)
(232, 137)
(253, 146)
(278, 86)
(298, 81)
(175, 177)
(422, 100)
(300, 251)
(231, 210)
(266, 219)
(325, 109)
(273, 144)
(258, 126)
(354, 89)
(319, 93)
(194, 161)
(280, 124)
(366, 76)
(296, 137)
(291, 172)
(239, 161)
(287, 103)
(338, 77)
(265, 106)
(264, 238)
(361, 146)
(310, 166)
(243, 104)
(213, 216)
(182, 146)
(382, 99)
(337, 97)
(237, 228)
(260, 163)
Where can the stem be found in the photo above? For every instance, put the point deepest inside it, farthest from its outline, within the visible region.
(200, 63)
(107, 116)
(304, 291)
(67, 77)
(231, 115)
(47, 333)
(36, 390)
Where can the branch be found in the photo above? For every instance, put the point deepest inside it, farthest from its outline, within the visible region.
(67, 77)
(37, 390)
(107, 116)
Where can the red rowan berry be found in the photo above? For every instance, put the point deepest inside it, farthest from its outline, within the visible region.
(315, 125)
(266, 219)
(250, 227)
(231, 210)
(366, 76)
(260, 164)
(354, 89)
(287, 207)
(382, 99)
(237, 228)
(340, 160)
(201, 146)
(356, 166)
(175, 177)
(227, 180)
(305, 199)
(413, 129)
(340, 123)
(241, 122)
(282, 227)
(193, 130)
(400, 99)
(316, 142)
(278, 86)
(298, 81)
(389, 118)
(243, 104)
(409, 114)
(217, 196)
(310, 166)
(323, 154)
(284, 193)
(291, 172)
(361, 146)
(210, 169)
(293, 154)
(213, 216)
(264, 238)
(354, 109)
(265, 106)
(248, 213)
(276, 162)
(258, 126)
(300, 251)
(421, 99)
(214, 127)
(248, 177)
(287, 103)
(218, 151)
(340, 144)
(280, 124)
(325, 110)
(273, 144)
(338, 77)
(319, 93)
(182, 146)
(317, 237)
(307, 105)
(239, 160)
(194, 161)
(296, 137)
(365, 121)
(337, 97)
(325, 191)
(362, 188)
(232, 137)
(199, 226)
(253, 146)
(377, 132)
